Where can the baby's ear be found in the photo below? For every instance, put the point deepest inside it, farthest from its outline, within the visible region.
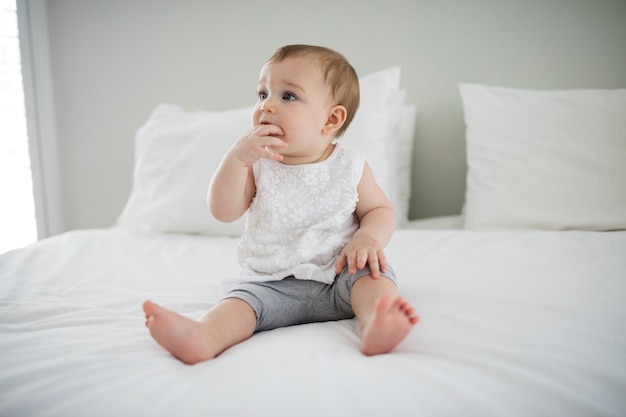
(336, 119)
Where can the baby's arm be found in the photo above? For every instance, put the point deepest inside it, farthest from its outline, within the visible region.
(377, 222)
(232, 187)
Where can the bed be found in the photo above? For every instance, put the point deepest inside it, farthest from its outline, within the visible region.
(522, 297)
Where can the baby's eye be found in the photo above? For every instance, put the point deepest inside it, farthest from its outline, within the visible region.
(262, 95)
(289, 96)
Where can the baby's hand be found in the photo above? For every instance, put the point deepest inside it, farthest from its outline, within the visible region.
(359, 252)
(260, 142)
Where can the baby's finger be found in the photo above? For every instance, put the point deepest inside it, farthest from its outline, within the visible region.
(271, 145)
(269, 130)
(382, 260)
(374, 267)
(341, 263)
(352, 263)
(270, 154)
(361, 259)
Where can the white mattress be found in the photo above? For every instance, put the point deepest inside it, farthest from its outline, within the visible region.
(513, 323)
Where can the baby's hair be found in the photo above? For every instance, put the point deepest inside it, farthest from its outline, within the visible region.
(338, 75)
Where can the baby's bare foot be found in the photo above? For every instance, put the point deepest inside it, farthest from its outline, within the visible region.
(389, 325)
(181, 336)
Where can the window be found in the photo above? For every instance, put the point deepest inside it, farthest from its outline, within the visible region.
(18, 226)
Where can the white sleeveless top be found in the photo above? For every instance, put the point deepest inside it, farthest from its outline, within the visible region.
(301, 218)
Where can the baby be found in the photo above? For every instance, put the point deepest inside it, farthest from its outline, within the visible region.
(312, 248)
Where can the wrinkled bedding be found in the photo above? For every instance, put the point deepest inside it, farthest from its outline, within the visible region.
(512, 323)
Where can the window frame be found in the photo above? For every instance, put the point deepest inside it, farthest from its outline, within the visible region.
(40, 116)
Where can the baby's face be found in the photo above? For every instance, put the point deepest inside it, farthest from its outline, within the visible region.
(292, 95)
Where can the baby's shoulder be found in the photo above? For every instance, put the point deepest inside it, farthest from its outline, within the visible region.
(349, 153)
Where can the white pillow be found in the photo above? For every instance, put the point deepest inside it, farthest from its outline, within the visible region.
(399, 146)
(545, 159)
(383, 130)
(177, 152)
(404, 154)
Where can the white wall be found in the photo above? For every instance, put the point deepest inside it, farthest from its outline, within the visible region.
(114, 61)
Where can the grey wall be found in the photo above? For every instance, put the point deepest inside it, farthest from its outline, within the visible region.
(114, 61)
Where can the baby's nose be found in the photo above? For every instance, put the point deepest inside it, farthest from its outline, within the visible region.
(268, 105)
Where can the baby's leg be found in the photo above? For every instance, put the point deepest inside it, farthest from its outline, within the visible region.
(385, 318)
(228, 323)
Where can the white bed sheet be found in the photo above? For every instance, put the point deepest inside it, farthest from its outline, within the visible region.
(513, 323)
